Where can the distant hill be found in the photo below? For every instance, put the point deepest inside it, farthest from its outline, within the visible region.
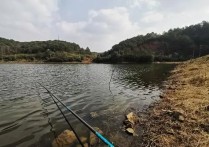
(175, 45)
(46, 51)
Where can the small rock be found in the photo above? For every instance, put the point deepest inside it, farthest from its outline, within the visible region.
(133, 118)
(93, 138)
(181, 118)
(131, 131)
(177, 116)
(83, 139)
(85, 145)
(65, 139)
(131, 121)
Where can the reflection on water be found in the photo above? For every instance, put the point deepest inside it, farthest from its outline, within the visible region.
(27, 120)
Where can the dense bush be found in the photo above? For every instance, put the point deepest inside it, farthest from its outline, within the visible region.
(49, 51)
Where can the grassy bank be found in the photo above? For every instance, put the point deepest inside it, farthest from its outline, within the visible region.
(181, 117)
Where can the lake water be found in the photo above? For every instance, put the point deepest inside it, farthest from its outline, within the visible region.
(28, 116)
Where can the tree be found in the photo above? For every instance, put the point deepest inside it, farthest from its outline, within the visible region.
(87, 50)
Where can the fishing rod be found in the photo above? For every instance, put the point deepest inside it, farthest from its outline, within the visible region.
(64, 117)
(106, 141)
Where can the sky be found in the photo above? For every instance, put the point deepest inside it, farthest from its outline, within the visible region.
(97, 24)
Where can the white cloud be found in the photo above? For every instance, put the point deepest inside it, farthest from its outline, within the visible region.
(27, 19)
(174, 14)
(152, 16)
(141, 3)
(104, 28)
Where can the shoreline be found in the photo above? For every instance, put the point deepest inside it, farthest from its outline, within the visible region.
(42, 62)
(180, 117)
(83, 62)
(180, 62)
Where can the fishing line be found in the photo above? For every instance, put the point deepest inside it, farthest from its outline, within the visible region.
(45, 112)
(68, 122)
(79, 118)
(110, 83)
(52, 96)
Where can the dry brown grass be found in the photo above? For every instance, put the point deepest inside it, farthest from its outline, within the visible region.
(181, 118)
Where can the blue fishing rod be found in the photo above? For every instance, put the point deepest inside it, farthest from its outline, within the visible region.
(106, 141)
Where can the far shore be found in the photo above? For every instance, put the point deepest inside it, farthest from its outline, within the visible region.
(83, 62)
(168, 62)
(42, 62)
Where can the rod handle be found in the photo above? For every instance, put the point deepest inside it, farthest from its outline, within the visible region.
(104, 139)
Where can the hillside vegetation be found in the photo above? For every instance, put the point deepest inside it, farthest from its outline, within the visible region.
(46, 51)
(175, 45)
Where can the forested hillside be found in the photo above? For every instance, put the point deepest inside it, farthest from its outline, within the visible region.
(175, 45)
(47, 51)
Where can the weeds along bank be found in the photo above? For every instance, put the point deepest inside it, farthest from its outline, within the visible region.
(181, 117)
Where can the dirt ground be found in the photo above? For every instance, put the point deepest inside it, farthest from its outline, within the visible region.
(181, 117)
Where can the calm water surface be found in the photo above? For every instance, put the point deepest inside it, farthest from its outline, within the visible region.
(28, 116)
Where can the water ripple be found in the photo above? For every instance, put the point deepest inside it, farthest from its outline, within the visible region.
(29, 117)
